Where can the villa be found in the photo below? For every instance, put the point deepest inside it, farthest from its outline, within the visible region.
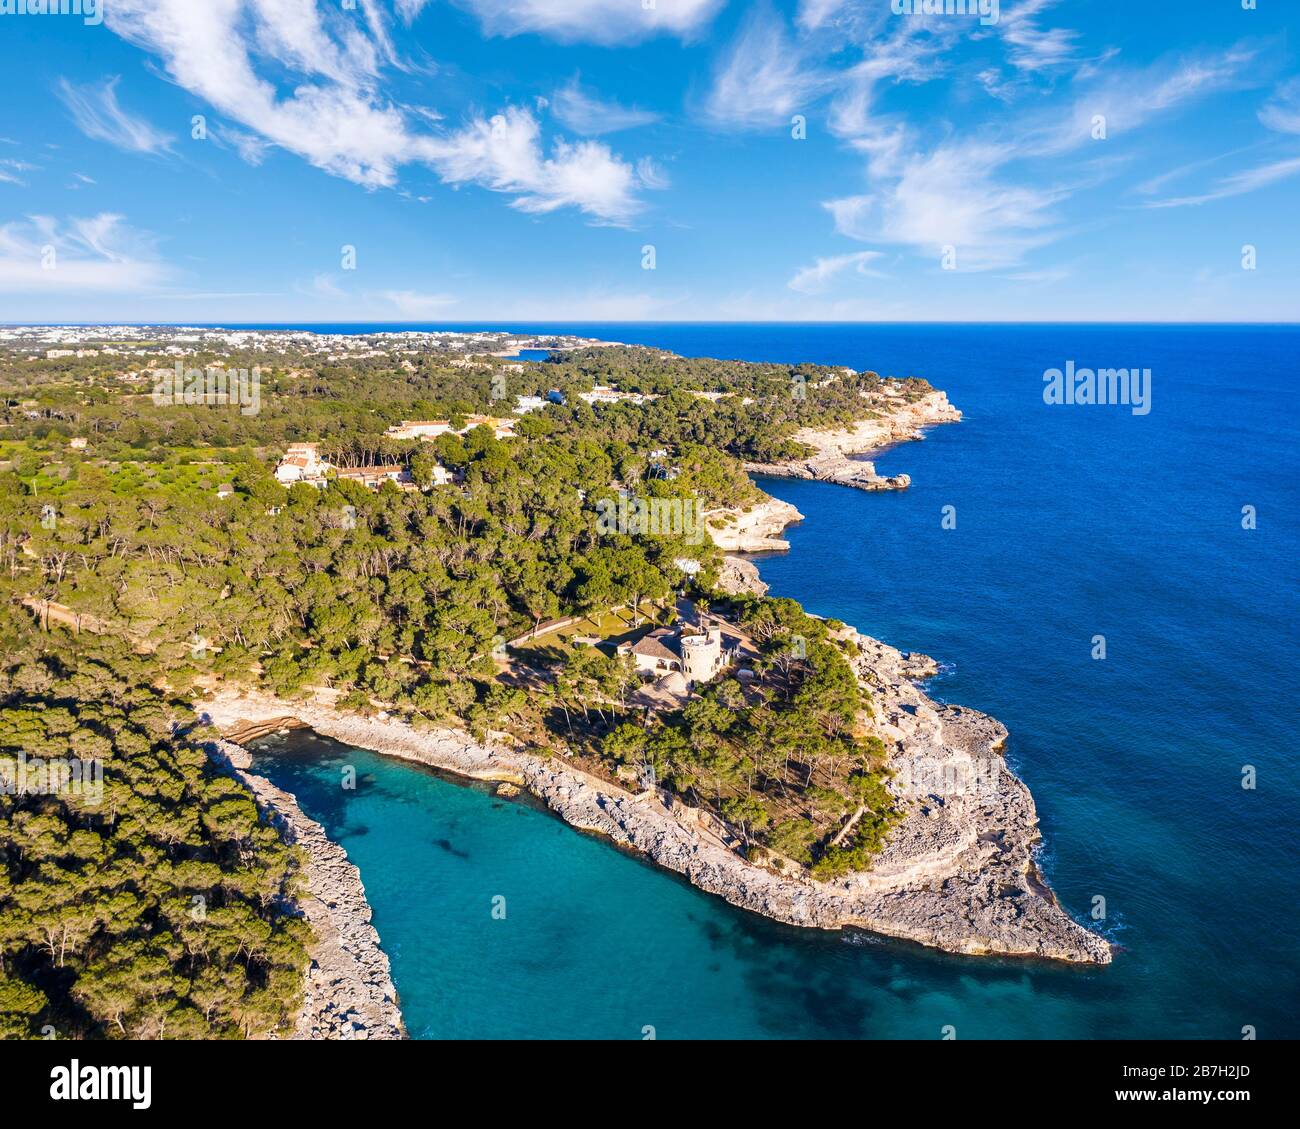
(694, 656)
(302, 463)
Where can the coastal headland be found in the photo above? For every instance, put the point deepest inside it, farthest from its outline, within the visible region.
(957, 874)
(834, 450)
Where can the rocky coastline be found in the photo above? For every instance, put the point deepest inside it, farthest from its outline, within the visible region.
(832, 450)
(958, 874)
(755, 530)
(348, 991)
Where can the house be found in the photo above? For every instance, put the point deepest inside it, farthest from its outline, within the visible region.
(605, 395)
(373, 477)
(696, 656)
(441, 475)
(77, 443)
(226, 490)
(302, 463)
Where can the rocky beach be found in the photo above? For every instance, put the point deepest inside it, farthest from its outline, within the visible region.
(349, 992)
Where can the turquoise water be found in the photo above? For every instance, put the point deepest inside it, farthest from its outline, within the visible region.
(1071, 522)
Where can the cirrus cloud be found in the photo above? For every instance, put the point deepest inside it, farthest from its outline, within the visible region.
(593, 21)
(817, 278)
(96, 112)
(100, 253)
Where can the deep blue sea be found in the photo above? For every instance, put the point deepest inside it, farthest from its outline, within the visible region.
(1071, 522)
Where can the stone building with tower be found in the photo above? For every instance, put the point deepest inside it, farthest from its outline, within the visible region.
(697, 655)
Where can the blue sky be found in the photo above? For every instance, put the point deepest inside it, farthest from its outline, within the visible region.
(509, 160)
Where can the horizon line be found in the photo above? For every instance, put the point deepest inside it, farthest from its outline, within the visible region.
(622, 321)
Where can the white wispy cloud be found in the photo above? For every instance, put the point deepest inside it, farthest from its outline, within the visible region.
(817, 278)
(334, 114)
(962, 192)
(11, 170)
(96, 112)
(99, 253)
(592, 116)
(1238, 184)
(813, 14)
(1031, 47)
(418, 306)
(766, 76)
(1131, 97)
(409, 9)
(1282, 111)
(251, 148)
(652, 175)
(323, 285)
(593, 21)
(1154, 184)
(953, 197)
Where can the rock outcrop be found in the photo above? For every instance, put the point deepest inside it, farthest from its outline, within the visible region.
(739, 577)
(836, 468)
(832, 449)
(895, 422)
(755, 530)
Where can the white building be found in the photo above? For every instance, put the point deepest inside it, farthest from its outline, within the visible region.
(302, 463)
